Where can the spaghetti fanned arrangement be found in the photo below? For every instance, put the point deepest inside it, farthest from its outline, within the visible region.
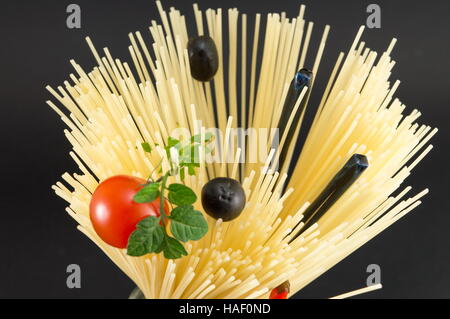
(345, 187)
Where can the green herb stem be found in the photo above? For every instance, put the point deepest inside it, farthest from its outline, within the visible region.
(150, 179)
(162, 212)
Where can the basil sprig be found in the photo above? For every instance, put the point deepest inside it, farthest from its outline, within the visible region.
(185, 222)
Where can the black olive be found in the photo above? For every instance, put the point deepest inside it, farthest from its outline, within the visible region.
(203, 58)
(223, 197)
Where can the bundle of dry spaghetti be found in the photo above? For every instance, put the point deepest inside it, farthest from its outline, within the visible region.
(113, 109)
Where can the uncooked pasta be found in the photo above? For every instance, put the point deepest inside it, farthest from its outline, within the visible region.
(113, 109)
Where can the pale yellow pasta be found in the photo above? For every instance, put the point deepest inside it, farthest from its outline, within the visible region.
(114, 108)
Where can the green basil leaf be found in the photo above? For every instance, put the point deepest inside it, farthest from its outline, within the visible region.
(147, 238)
(147, 194)
(190, 154)
(184, 156)
(191, 170)
(148, 223)
(136, 244)
(198, 137)
(172, 248)
(173, 142)
(187, 224)
(146, 147)
(181, 195)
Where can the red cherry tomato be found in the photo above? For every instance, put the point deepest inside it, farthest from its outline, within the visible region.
(276, 295)
(281, 292)
(113, 212)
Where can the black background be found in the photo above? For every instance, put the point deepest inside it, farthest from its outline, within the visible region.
(38, 239)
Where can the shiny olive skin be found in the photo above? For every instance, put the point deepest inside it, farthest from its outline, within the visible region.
(203, 58)
(223, 197)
